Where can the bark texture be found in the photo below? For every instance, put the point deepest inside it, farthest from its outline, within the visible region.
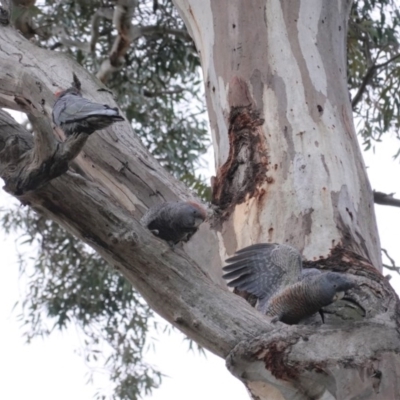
(282, 125)
(305, 185)
(289, 170)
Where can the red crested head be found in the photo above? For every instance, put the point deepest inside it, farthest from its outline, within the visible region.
(71, 90)
(199, 207)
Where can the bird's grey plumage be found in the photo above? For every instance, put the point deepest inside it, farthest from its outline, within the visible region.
(263, 269)
(308, 272)
(75, 114)
(174, 221)
(308, 296)
(273, 273)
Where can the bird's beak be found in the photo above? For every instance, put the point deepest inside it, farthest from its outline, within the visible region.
(198, 222)
(338, 296)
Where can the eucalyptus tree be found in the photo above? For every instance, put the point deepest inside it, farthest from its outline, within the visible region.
(288, 170)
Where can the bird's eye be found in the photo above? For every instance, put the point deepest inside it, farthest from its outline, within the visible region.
(335, 286)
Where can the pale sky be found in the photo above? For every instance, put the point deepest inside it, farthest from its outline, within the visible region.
(51, 369)
(38, 370)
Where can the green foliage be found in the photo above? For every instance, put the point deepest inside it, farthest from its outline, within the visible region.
(159, 88)
(69, 283)
(374, 65)
(159, 85)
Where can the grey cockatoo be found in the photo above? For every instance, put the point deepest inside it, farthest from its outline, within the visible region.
(75, 114)
(174, 221)
(273, 273)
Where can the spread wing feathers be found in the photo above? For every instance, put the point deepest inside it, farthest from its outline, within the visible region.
(259, 246)
(261, 268)
(309, 272)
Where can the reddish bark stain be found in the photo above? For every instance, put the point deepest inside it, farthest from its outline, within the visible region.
(241, 176)
(275, 361)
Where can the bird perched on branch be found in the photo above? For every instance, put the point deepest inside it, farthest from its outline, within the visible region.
(174, 221)
(75, 114)
(273, 273)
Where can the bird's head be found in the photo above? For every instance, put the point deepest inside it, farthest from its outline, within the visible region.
(335, 285)
(198, 213)
(191, 214)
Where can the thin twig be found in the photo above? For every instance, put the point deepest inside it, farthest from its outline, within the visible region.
(102, 12)
(393, 266)
(367, 79)
(147, 93)
(127, 34)
(386, 199)
(162, 30)
(122, 20)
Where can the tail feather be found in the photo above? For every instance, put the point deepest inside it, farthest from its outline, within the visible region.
(108, 114)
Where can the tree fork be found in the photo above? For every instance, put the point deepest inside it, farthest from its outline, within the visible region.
(218, 320)
(319, 197)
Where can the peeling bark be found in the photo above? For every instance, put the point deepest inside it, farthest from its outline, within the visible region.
(270, 101)
(246, 166)
(285, 361)
(114, 158)
(288, 62)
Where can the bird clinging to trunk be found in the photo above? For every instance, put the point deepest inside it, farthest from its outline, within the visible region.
(174, 221)
(75, 114)
(273, 273)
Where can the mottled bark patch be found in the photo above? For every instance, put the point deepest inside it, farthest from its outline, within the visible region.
(246, 166)
(275, 360)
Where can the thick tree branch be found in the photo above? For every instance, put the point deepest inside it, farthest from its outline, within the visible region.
(178, 289)
(147, 262)
(283, 358)
(46, 160)
(102, 12)
(32, 74)
(386, 199)
(122, 20)
(125, 180)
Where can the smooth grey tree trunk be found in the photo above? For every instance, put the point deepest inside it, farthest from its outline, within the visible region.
(288, 170)
(280, 115)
